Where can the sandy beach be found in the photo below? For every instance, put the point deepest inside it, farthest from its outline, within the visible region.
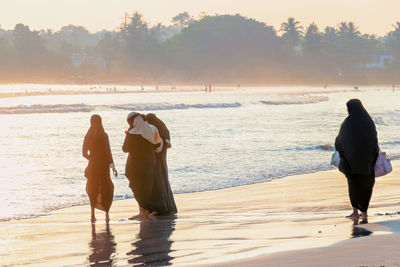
(293, 221)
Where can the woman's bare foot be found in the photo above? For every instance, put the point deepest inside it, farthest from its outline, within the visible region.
(354, 214)
(153, 214)
(145, 215)
(364, 216)
(135, 217)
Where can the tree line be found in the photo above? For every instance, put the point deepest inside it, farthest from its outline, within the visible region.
(218, 49)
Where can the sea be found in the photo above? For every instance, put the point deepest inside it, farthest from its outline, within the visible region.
(230, 137)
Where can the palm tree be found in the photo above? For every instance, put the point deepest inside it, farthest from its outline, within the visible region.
(312, 42)
(292, 32)
(393, 42)
(330, 34)
(348, 30)
(353, 29)
(395, 34)
(343, 28)
(312, 31)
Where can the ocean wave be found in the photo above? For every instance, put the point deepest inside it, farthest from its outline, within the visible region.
(296, 100)
(167, 106)
(61, 108)
(324, 147)
(389, 143)
(379, 121)
(394, 157)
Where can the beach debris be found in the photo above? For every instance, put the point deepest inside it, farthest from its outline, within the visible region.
(387, 213)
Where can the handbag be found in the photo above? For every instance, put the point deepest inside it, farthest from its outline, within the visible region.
(382, 165)
(335, 159)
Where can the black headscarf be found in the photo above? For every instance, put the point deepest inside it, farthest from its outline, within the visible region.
(96, 131)
(160, 125)
(357, 141)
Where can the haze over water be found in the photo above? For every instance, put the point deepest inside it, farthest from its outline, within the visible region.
(223, 139)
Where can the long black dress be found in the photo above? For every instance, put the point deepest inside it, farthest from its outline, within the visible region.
(357, 144)
(99, 186)
(140, 168)
(163, 197)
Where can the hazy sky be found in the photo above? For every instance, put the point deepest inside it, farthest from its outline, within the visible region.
(372, 16)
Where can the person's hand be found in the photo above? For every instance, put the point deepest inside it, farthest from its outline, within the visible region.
(159, 148)
(168, 143)
(115, 172)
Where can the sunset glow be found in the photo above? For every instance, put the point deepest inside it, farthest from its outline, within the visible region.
(372, 16)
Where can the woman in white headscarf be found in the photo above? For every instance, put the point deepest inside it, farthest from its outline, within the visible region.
(142, 141)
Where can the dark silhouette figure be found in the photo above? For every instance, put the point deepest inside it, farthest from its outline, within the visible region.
(96, 148)
(357, 144)
(163, 198)
(102, 247)
(153, 245)
(141, 165)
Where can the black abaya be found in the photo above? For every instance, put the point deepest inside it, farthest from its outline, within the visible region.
(357, 144)
(360, 190)
(99, 186)
(163, 197)
(140, 168)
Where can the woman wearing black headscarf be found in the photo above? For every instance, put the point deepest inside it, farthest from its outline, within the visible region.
(163, 197)
(96, 148)
(357, 144)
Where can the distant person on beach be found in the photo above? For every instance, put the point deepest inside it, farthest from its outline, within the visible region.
(140, 142)
(357, 144)
(162, 192)
(96, 149)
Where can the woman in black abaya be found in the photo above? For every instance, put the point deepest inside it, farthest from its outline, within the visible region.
(96, 148)
(163, 198)
(357, 144)
(141, 165)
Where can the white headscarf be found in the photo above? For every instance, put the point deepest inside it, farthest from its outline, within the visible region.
(146, 130)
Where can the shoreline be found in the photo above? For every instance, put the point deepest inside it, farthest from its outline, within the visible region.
(270, 220)
(109, 89)
(47, 213)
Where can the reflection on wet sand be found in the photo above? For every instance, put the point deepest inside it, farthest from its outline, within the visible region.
(102, 247)
(358, 231)
(153, 245)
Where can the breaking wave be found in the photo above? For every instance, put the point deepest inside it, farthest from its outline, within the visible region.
(167, 106)
(63, 108)
(22, 109)
(379, 121)
(296, 100)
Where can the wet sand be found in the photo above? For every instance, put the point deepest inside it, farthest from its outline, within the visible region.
(293, 221)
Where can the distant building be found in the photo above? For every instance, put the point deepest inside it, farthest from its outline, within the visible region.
(82, 58)
(379, 61)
